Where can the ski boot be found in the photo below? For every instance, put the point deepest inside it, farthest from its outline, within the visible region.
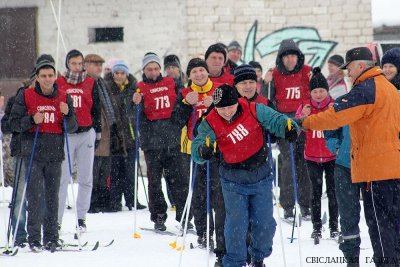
(218, 262)
(316, 235)
(159, 224)
(35, 246)
(202, 241)
(20, 243)
(257, 264)
(82, 225)
(52, 246)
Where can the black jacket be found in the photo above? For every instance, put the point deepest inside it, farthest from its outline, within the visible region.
(124, 103)
(49, 147)
(159, 134)
(15, 144)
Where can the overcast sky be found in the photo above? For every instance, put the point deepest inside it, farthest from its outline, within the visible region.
(385, 12)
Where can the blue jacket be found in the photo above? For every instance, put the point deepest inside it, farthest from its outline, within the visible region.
(338, 142)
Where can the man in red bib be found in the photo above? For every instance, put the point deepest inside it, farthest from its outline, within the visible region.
(43, 108)
(215, 58)
(237, 127)
(159, 140)
(84, 93)
(288, 90)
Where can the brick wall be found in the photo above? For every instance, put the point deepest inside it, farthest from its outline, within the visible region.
(188, 27)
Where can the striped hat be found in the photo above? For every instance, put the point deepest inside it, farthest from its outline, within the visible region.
(244, 72)
(150, 57)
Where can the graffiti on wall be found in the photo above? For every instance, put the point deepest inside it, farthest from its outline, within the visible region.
(307, 39)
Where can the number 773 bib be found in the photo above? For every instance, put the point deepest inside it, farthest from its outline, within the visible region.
(158, 98)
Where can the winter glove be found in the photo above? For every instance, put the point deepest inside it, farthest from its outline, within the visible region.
(206, 152)
(290, 132)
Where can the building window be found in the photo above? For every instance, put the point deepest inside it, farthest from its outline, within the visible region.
(98, 35)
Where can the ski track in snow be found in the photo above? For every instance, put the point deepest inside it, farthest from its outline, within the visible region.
(154, 250)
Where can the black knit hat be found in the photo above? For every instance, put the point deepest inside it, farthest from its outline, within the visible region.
(318, 80)
(194, 63)
(172, 60)
(255, 64)
(244, 72)
(41, 61)
(45, 57)
(71, 54)
(217, 48)
(44, 63)
(336, 60)
(224, 96)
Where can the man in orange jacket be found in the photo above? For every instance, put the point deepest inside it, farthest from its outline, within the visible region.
(372, 110)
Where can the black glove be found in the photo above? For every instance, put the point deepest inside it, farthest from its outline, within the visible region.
(206, 152)
(96, 144)
(291, 135)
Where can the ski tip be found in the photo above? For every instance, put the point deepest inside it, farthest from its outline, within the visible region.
(173, 244)
(96, 246)
(109, 244)
(11, 252)
(136, 236)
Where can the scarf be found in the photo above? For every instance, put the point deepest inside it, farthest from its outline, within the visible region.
(106, 102)
(334, 79)
(122, 86)
(75, 78)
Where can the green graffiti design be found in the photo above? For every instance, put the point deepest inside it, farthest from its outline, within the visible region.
(307, 38)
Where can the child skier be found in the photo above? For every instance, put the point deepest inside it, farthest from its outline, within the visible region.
(319, 159)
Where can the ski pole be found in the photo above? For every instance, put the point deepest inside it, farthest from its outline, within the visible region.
(187, 215)
(208, 212)
(188, 199)
(140, 168)
(297, 206)
(276, 194)
(144, 186)
(3, 184)
(17, 175)
(27, 176)
(135, 234)
(78, 230)
(191, 187)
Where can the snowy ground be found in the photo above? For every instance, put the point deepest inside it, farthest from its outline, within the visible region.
(154, 250)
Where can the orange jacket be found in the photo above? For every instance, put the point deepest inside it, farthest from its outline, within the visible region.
(372, 110)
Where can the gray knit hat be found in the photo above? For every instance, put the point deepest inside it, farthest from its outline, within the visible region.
(150, 57)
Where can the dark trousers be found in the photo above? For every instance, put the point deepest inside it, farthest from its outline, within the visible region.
(168, 162)
(216, 203)
(316, 171)
(122, 179)
(44, 182)
(348, 201)
(381, 208)
(100, 193)
(285, 175)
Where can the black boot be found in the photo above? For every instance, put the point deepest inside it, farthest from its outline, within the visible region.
(160, 223)
(257, 264)
(316, 233)
(202, 241)
(140, 206)
(218, 261)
